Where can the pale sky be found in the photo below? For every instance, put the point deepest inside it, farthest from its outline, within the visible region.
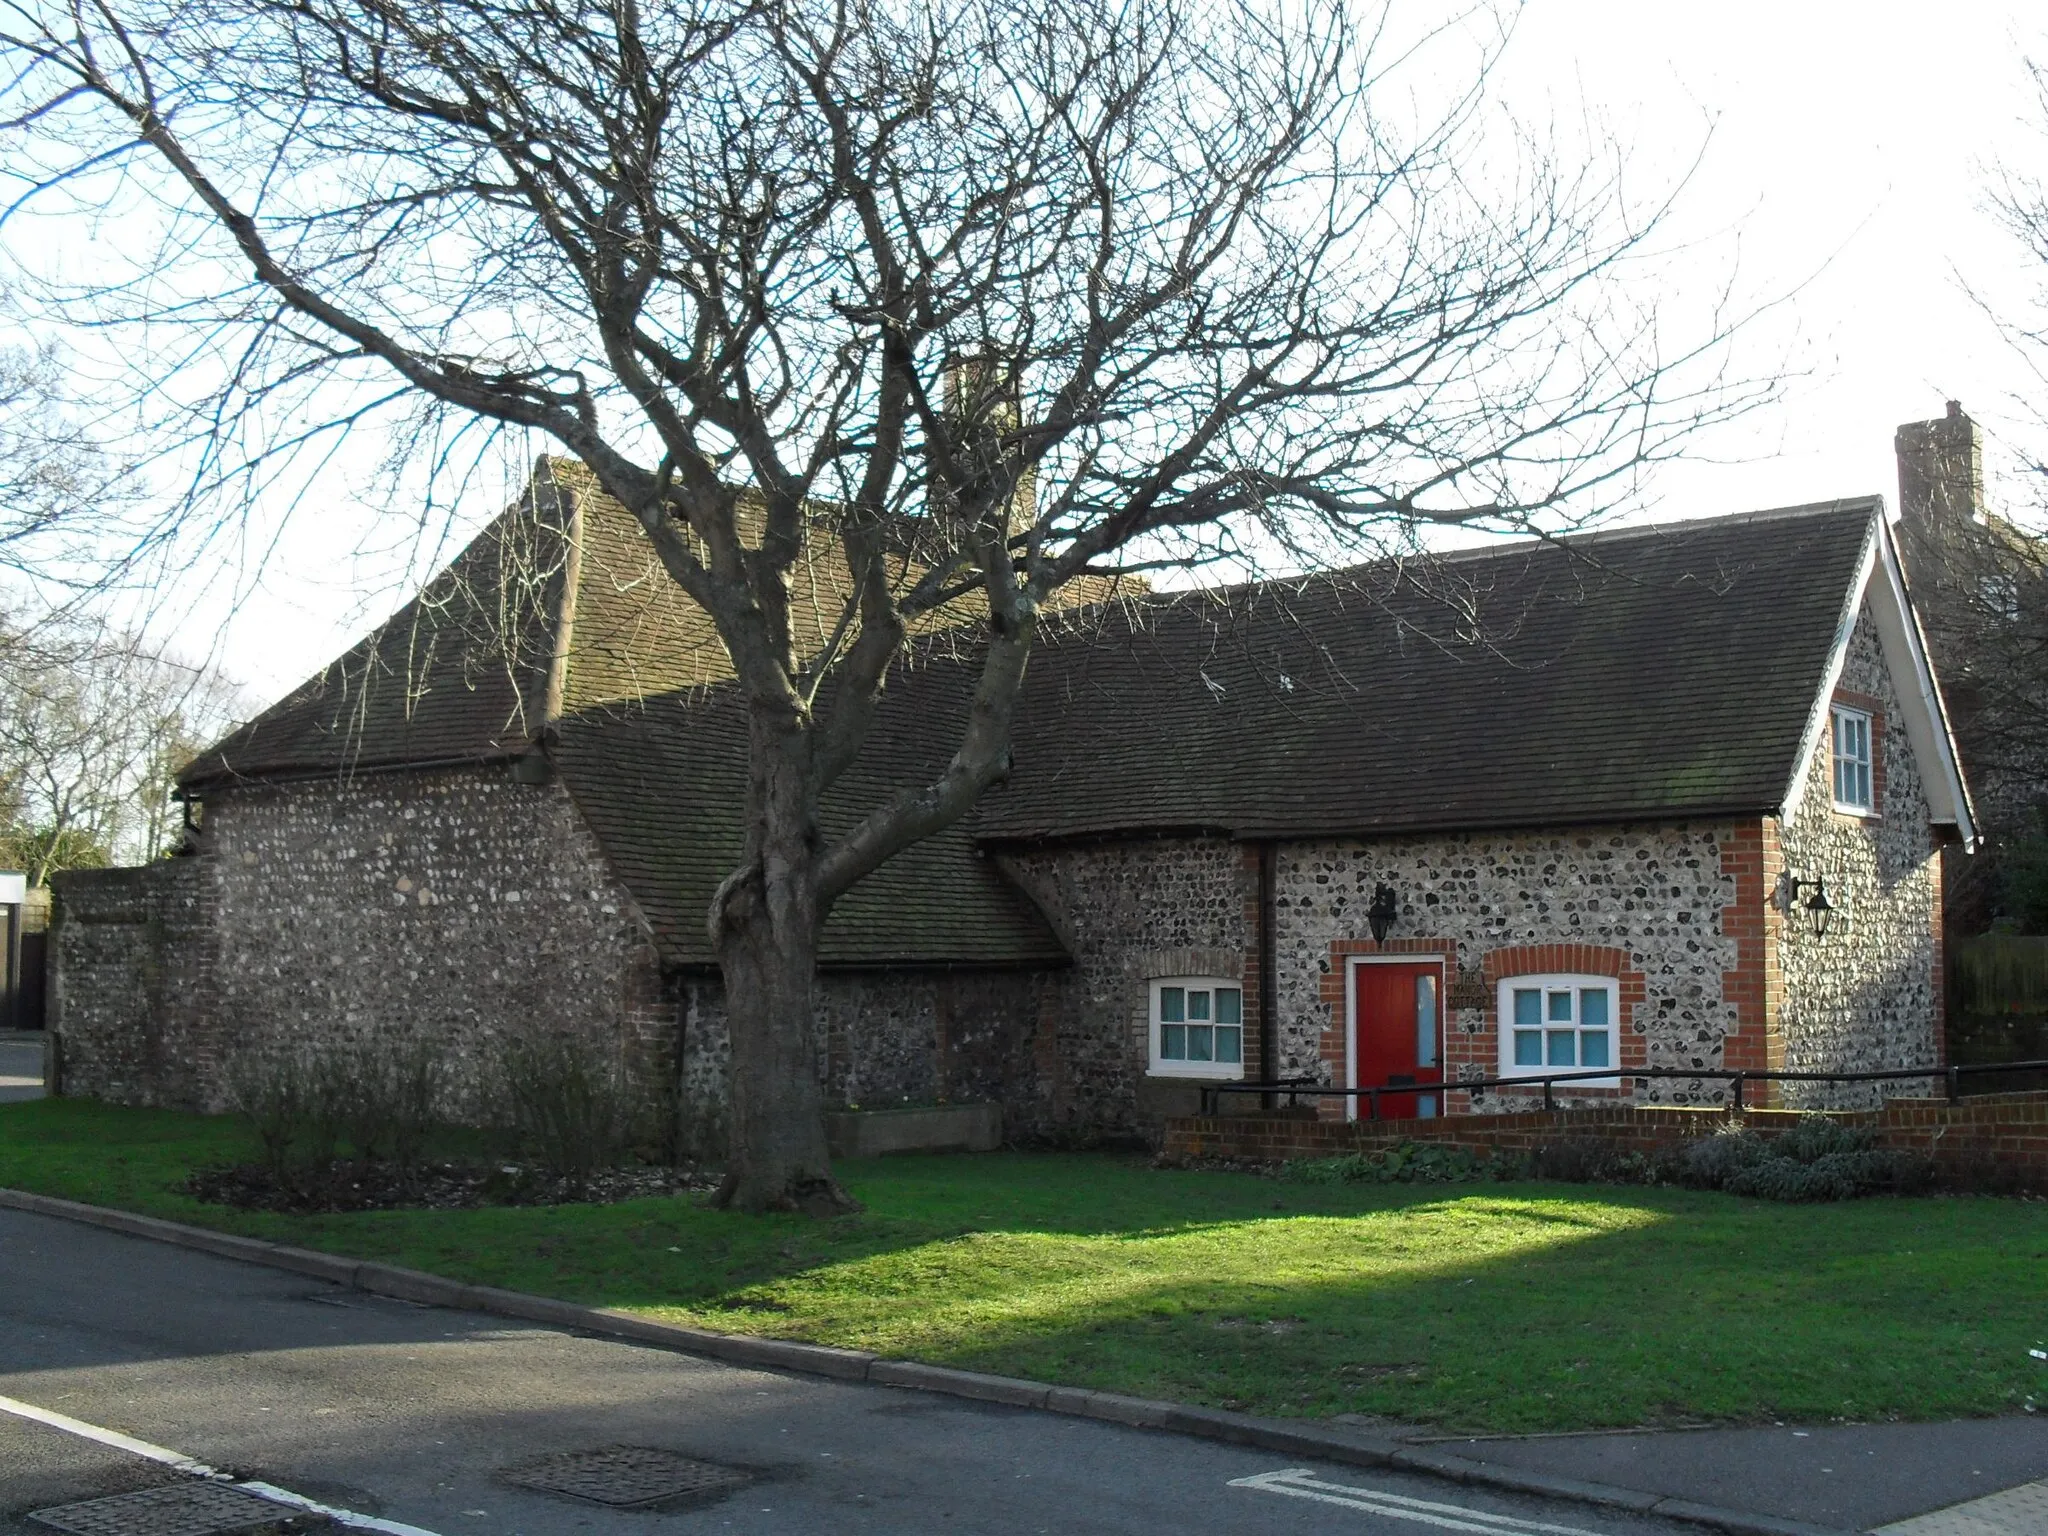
(1850, 148)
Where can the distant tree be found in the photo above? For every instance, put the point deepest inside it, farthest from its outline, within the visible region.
(64, 499)
(2023, 882)
(1981, 575)
(93, 729)
(1029, 291)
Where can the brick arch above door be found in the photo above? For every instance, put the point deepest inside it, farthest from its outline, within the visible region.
(1333, 991)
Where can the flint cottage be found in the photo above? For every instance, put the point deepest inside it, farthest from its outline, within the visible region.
(1669, 797)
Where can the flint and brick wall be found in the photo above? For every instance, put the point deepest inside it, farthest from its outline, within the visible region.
(887, 1036)
(460, 909)
(453, 909)
(1130, 912)
(1281, 1138)
(1869, 994)
(1642, 904)
(457, 908)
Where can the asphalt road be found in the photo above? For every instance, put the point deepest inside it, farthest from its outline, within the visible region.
(410, 1413)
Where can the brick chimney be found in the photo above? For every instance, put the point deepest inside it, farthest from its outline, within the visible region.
(1941, 472)
(980, 399)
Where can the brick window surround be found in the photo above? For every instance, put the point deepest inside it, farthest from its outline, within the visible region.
(1482, 1050)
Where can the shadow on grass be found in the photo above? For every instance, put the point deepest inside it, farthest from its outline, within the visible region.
(1502, 1307)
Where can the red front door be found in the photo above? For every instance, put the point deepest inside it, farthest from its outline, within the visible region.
(1397, 1034)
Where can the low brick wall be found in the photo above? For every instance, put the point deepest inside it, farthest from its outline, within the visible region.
(1277, 1138)
(1999, 1139)
(1987, 1137)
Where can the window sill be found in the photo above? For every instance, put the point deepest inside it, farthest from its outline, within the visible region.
(1857, 813)
(1515, 1078)
(1195, 1072)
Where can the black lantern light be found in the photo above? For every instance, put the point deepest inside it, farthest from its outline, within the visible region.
(1819, 910)
(1386, 906)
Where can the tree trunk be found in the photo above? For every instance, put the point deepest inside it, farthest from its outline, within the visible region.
(764, 923)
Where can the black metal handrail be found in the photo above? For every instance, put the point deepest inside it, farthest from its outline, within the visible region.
(1296, 1087)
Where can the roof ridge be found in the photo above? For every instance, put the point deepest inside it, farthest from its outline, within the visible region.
(1868, 503)
(1501, 549)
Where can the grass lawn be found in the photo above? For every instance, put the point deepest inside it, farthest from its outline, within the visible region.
(1489, 1307)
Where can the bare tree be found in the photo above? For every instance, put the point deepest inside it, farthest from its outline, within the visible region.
(1981, 575)
(1022, 291)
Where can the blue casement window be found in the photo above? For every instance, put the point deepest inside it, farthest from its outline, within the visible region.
(1197, 1027)
(1559, 1024)
(1851, 733)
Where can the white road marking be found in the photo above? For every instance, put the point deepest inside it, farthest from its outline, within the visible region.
(1300, 1483)
(112, 1437)
(178, 1462)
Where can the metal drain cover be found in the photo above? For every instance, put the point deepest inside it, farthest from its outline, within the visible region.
(625, 1475)
(177, 1509)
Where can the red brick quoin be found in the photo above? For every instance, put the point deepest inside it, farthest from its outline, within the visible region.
(1751, 858)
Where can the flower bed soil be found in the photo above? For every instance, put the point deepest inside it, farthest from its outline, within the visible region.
(363, 1186)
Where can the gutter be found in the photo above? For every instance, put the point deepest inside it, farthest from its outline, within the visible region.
(1258, 832)
(196, 789)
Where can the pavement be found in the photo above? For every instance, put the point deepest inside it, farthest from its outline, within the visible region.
(21, 1067)
(1852, 1476)
(408, 1417)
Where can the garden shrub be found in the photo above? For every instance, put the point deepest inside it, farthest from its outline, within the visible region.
(564, 1107)
(1581, 1160)
(287, 1100)
(1818, 1159)
(311, 1107)
(1711, 1161)
(1409, 1163)
(384, 1101)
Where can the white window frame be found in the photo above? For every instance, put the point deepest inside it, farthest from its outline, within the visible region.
(1443, 1015)
(1504, 1016)
(1161, 1066)
(1837, 713)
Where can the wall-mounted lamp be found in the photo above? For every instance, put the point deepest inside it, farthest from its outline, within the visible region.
(1819, 910)
(1385, 908)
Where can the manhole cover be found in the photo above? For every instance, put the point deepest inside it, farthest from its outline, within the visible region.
(624, 1475)
(178, 1509)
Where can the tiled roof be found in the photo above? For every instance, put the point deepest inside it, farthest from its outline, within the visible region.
(663, 785)
(459, 674)
(1641, 673)
(1632, 675)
